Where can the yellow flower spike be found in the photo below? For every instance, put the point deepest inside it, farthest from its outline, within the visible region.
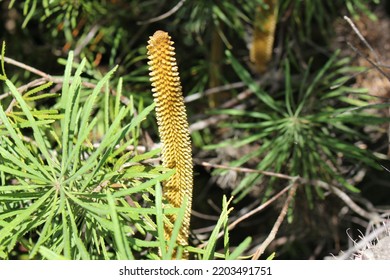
(263, 35)
(173, 127)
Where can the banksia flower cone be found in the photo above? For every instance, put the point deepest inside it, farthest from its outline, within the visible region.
(263, 35)
(173, 127)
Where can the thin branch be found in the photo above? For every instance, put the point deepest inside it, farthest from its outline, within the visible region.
(212, 91)
(275, 228)
(85, 41)
(45, 77)
(361, 37)
(247, 215)
(38, 72)
(296, 181)
(262, 206)
(259, 208)
(248, 170)
(25, 87)
(165, 15)
(237, 100)
(204, 216)
(339, 193)
(369, 61)
(26, 67)
(376, 65)
(371, 216)
(199, 125)
(207, 122)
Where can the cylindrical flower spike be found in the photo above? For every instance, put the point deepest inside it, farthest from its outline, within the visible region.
(263, 35)
(173, 127)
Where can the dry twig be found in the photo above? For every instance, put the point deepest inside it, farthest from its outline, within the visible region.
(296, 181)
(361, 37)
(275, 228)
(165, 15)
(248, 170)
(44, 78)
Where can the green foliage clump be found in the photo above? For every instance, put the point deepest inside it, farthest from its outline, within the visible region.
(57, 170)
(303, 130)
(73, 185)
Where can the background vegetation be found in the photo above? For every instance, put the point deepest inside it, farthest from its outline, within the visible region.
(292, 162)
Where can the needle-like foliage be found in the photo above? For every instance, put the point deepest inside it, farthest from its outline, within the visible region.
(306, 133)
(65, 188)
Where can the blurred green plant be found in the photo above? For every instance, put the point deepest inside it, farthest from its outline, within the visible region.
(308, 18)
(304, 131)
(95, 30)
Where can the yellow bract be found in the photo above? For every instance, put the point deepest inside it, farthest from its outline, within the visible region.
(173, 127)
